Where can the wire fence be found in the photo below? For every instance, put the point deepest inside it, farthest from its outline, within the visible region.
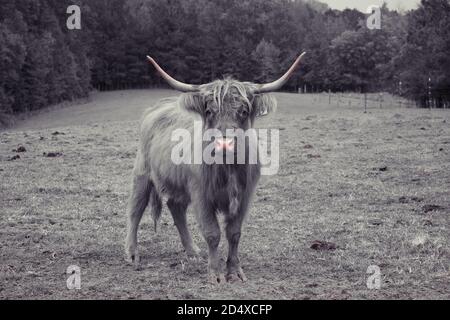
(365, 101)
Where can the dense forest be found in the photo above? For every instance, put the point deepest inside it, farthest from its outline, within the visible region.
(42, 62)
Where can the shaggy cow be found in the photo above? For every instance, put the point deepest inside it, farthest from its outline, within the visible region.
(211, 188)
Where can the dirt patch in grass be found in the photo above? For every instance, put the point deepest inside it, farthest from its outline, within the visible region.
(70, 209)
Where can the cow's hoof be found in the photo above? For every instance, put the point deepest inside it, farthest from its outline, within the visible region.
(193, 253)
(216, 278)
(236, 276)
(133, 259)
(194, 259)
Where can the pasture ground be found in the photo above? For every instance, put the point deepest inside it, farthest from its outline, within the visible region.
(375, 184)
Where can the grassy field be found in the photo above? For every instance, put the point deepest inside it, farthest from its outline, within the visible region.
(376, 185)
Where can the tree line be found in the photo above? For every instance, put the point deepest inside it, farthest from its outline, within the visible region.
(44, 63)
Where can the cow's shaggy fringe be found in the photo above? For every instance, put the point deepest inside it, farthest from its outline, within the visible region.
(228, 90)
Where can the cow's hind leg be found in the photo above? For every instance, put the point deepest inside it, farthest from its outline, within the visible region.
(178, 210)
(140, 194)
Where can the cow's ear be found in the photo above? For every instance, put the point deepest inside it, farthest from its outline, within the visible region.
(192, 101)
(263, 104)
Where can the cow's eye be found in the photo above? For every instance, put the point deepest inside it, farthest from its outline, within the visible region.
(244, 113)
(208, 113)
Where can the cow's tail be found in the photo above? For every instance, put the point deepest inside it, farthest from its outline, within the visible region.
(156, 207)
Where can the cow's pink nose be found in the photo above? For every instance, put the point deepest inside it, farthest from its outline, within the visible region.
(226, 144)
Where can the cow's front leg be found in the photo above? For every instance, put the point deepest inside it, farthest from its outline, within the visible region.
(233, 233)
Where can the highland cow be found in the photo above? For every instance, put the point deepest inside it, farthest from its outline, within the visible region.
(210, 188)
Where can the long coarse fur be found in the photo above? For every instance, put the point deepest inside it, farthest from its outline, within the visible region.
(220, 187)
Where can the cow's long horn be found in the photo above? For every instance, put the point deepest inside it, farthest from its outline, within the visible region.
(277, 84)
(177, 85)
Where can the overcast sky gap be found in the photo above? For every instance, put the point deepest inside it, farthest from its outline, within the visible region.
(362, 5)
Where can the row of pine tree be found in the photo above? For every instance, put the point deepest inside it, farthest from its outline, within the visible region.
(43, 63)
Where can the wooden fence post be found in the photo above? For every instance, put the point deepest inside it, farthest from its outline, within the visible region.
(365, 102)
